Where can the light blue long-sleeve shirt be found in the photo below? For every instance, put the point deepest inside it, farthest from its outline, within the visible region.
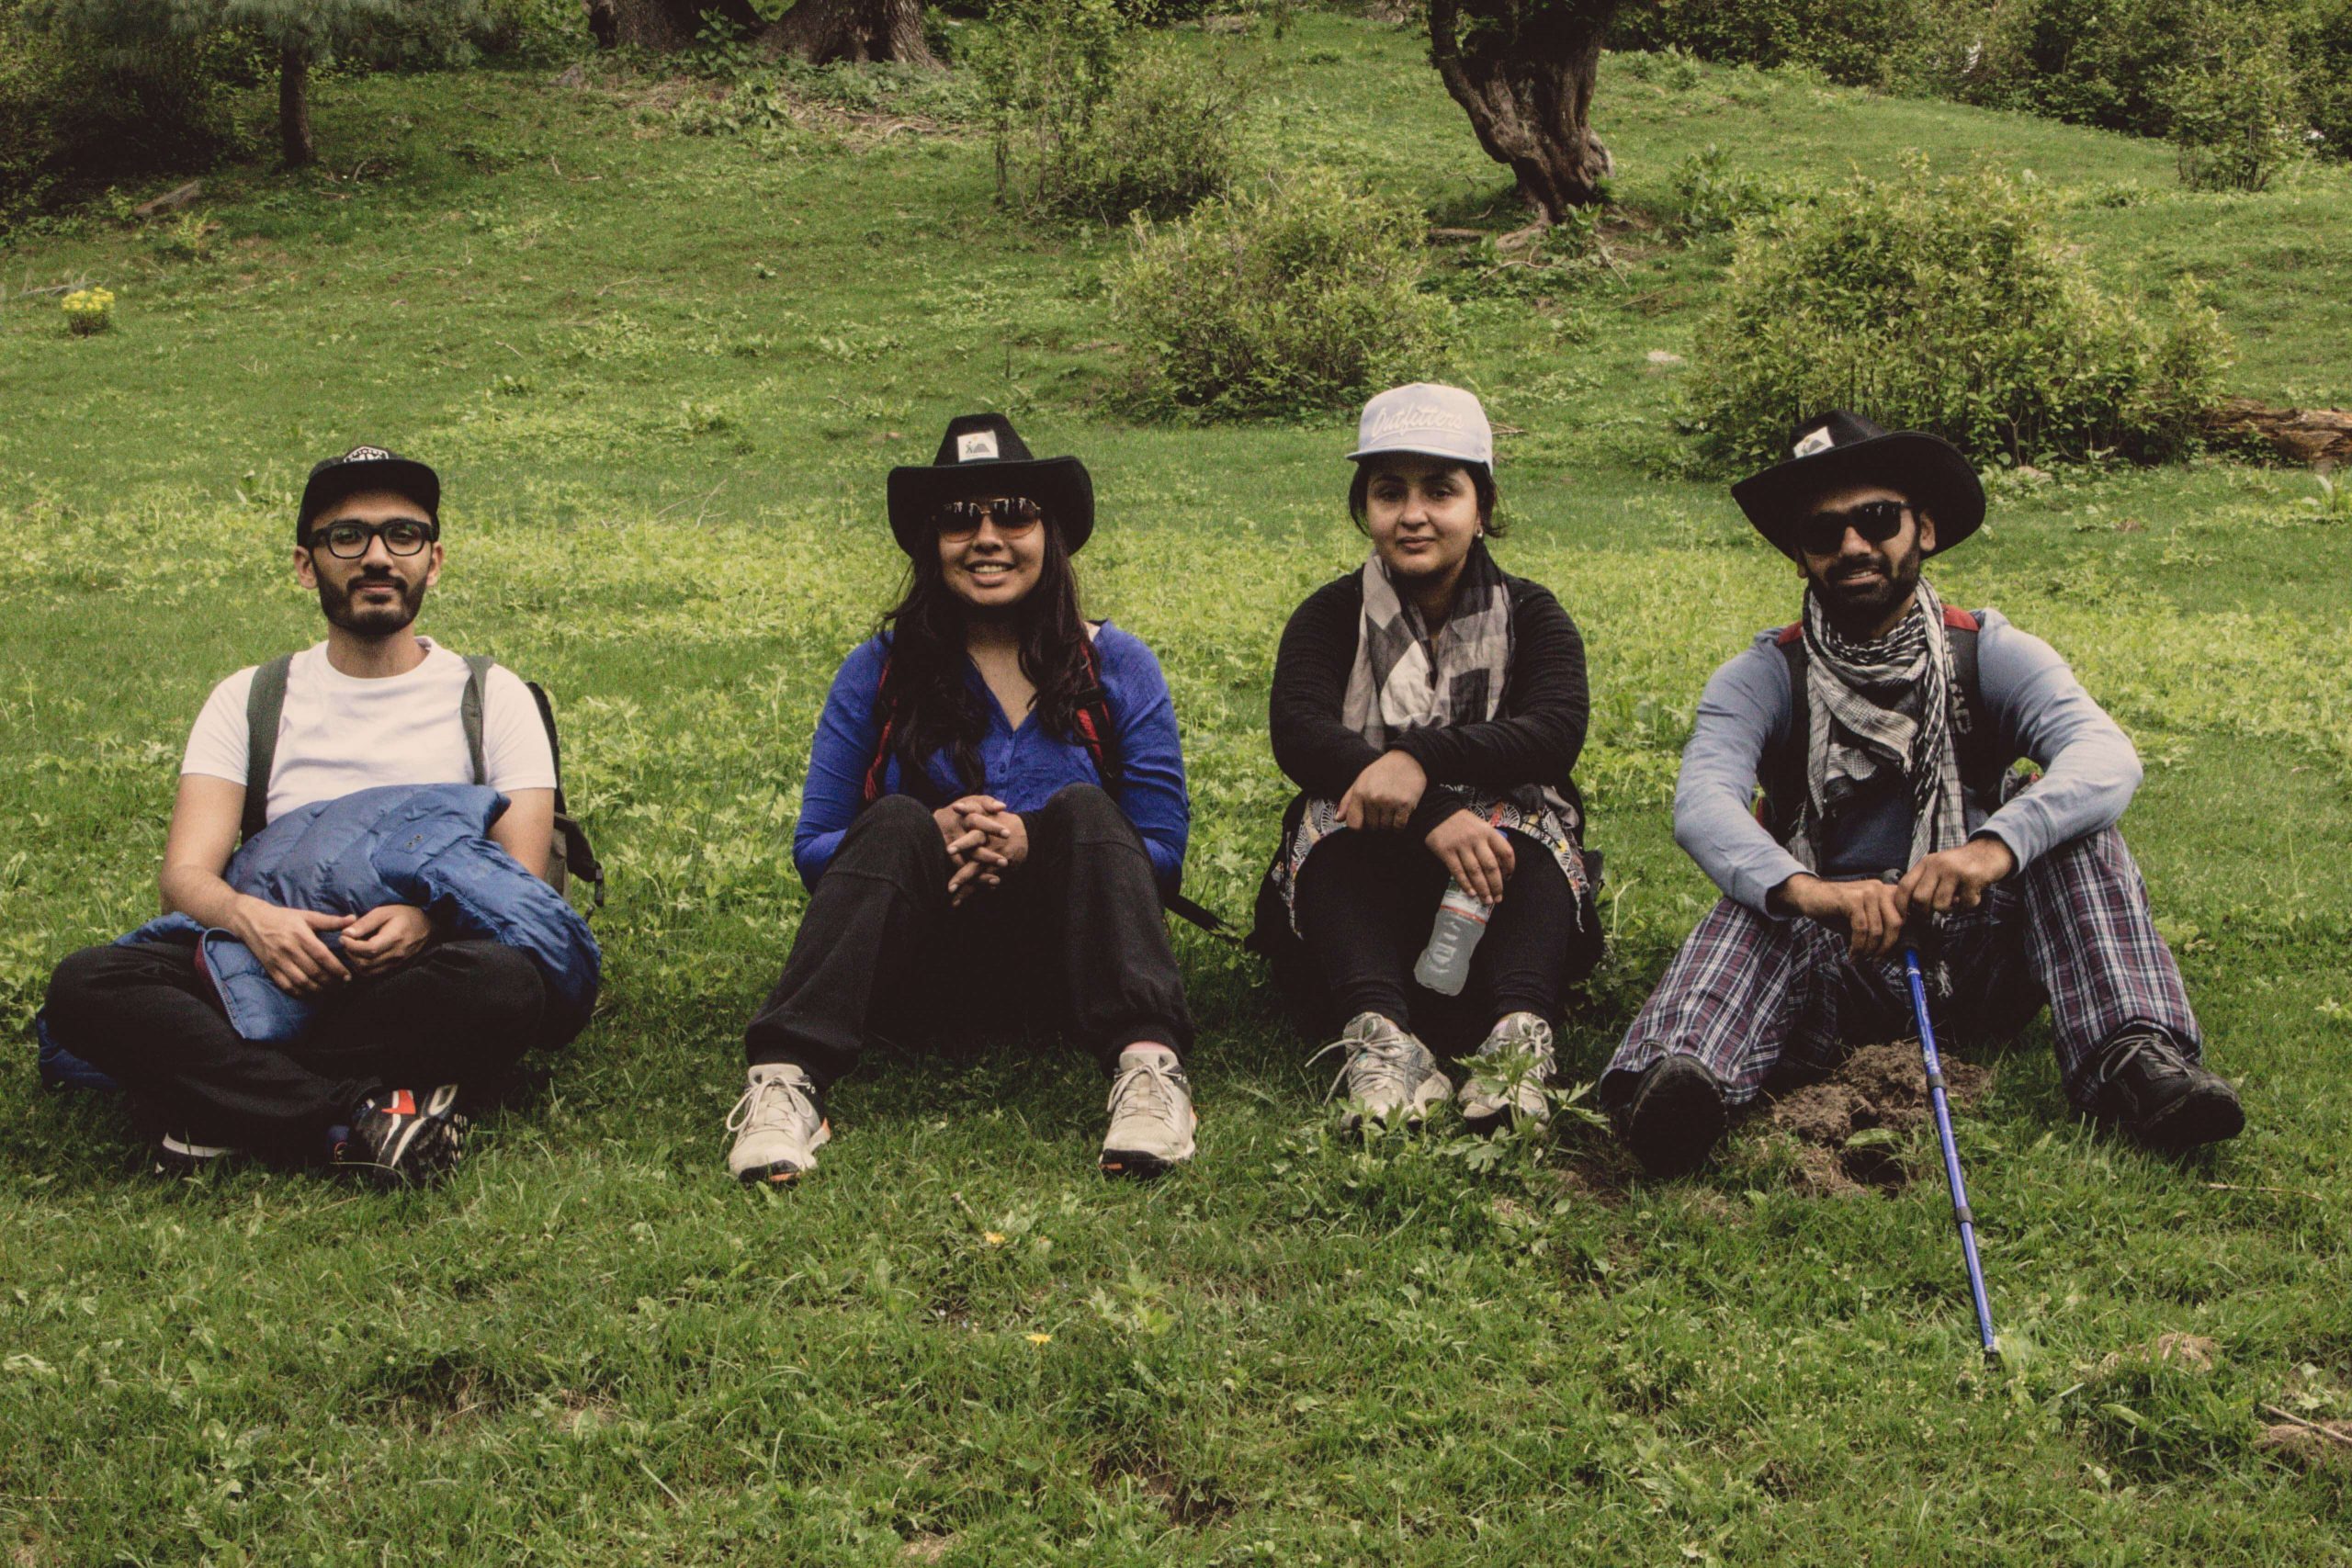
(1025, 765)
(2038, 710)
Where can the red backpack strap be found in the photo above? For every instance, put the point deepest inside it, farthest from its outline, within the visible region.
(1961, 620)
(1793, 632)
(1092, 717)
(881, 763)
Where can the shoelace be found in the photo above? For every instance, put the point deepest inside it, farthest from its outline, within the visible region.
(1378, 1061)
(1150, 1081)
(2163, 1056)
(754, 1110)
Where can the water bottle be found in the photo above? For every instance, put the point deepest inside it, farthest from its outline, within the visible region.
(1461, 921)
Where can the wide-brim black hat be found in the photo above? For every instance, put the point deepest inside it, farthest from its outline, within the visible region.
(364, 469)
(980, 454)
(1837, 449)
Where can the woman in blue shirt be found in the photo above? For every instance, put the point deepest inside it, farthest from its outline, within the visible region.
(995, 806)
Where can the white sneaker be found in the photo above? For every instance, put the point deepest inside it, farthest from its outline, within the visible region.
(1507, 1075)
(777, 1126)
(1390, 1076)
(1151, 1114)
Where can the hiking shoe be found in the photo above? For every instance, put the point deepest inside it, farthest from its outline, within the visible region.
(777, 1126)
(1151, 1114)
(397, 1140)
(2150, 1087)
(1507, 1075)
(1674, 1116)
(1389, 1074)
(176, 1154)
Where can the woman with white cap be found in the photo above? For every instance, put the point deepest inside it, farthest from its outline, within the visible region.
(995, 807)
(1430, 707)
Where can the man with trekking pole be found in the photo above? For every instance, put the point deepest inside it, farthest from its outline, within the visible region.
(1883, 729)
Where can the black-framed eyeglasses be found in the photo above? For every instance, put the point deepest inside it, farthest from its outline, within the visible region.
(1012, 515)
(349, 541)
(1877, 521)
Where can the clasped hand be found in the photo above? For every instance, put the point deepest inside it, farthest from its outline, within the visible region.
(298, 961)
(984, 840)
(1872, 913)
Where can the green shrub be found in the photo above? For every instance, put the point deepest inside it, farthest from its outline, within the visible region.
(1093, 121)
(1950, 306)
(2234, 103)
(79, 114)
(1708, 197)
(1301, 295)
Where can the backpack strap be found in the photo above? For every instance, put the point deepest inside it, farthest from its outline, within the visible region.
(881, 765)
(478, 669)
(264, 705)
(1974, 751)
(1095, 729)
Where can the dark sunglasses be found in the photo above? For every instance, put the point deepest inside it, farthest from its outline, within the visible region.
(349, 541)
(1823, 533)
(1013, 516)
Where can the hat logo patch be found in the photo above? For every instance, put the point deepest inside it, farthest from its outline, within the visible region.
(1399, 421)
(976, 445)
(1814, 441)
(366, 455)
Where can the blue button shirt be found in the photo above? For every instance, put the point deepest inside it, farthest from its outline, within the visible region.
(1025, 765)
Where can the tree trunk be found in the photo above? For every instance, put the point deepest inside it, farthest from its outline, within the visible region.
(660, 25)
(1523, 70)
(821, 31)
(294, 107)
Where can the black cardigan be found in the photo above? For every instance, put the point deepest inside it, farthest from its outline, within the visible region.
(1535, 738)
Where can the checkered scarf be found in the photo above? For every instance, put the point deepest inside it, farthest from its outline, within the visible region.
(1891, 703)
(1405, 679)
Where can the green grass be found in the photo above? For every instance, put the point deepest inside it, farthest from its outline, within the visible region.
(664, 468)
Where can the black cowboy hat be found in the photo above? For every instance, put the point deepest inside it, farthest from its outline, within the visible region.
(362, 469)
(1836, 449)
(980, 454)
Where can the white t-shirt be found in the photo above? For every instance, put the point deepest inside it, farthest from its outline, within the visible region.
(340, 733)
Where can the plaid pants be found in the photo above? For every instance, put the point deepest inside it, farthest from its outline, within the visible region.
(1762, 1002)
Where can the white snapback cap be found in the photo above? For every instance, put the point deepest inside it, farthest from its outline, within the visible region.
(1428, 420)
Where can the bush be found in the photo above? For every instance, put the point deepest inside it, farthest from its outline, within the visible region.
(1950, 306)
(1303, 295)
(2234, 105)
(76, 115)
(1090, 122)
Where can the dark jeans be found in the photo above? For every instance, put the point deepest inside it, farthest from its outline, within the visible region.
(1366, 902)
(1076, 931)
(459, 1012)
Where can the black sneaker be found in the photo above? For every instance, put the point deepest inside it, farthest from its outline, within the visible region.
(1674, 1117)
(176, 1154)
(398, 1141)
(2144, 1083)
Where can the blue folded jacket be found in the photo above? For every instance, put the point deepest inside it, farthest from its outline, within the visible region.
(428, 845)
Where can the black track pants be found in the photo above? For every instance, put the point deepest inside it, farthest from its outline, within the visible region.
(1076, 931)
(1366, 902)
(459, 1012)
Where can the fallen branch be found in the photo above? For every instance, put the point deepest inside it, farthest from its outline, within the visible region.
(2318, 437)
(2330, 1433)
(170, 201)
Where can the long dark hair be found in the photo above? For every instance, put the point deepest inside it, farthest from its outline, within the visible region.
(923, 692)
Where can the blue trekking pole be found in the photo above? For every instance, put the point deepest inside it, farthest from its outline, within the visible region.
(1960, 1214)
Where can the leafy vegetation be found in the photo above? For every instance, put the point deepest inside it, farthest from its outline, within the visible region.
(1950, 306)
(1301, 295)
(663, 375)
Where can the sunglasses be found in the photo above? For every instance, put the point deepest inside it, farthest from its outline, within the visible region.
(349, 541)
(1013, 516)
(1823, 533)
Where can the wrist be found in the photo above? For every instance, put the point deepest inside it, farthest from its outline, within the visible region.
(1793, 896)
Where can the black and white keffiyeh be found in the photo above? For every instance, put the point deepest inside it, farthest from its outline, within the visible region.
(1889, 703)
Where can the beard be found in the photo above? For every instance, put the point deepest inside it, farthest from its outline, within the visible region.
(375, 619)
(1855, 608)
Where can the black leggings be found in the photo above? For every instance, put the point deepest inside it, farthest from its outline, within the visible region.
(1075, 933)
(1365, 904)
(459, 1012)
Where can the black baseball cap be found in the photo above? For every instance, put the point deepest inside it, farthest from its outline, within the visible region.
(363, 469)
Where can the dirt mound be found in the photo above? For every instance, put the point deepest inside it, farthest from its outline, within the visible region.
(1847, 1125)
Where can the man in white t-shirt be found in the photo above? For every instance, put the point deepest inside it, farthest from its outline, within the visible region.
(405, 1018)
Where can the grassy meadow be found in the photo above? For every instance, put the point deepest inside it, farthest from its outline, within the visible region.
(662, 376)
